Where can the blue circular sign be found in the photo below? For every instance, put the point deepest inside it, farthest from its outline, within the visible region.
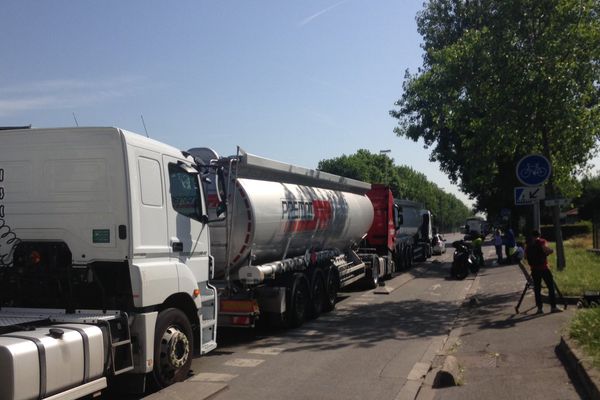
(533, 170)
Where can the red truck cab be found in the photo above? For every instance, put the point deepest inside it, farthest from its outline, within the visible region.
(382, 233)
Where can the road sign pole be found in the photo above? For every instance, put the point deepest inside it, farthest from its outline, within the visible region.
(536, 216)
(560, 252)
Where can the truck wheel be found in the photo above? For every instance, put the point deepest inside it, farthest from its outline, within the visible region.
(388, 262)
(398, 261)
(408, 257)
(372, 274)
(173, 347)
(423, 255)
(317, 293)
(331, 289)
(297, 311)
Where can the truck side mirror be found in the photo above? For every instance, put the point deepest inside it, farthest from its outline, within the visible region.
(397, 217)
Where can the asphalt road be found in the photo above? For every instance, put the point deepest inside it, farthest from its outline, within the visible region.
(369, 347)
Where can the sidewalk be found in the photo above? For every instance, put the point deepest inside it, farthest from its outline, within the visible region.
(502, 355)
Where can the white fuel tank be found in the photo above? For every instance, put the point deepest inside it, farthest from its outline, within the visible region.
(274, 220)
(48, 360)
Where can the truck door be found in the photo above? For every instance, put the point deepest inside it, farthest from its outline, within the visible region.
(188, 237)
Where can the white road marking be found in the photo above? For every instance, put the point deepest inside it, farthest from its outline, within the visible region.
(358, 303)
(436, 286)
(269, 351)
(342, 312)
(244, 362)
(211, 377)
(310, 332)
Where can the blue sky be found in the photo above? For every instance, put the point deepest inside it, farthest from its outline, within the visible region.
(296, 81)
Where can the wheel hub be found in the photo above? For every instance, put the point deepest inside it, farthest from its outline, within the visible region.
(176, 347)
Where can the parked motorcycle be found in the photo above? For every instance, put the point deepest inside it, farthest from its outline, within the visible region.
(464, 261)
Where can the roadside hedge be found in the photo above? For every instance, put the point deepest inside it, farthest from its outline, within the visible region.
(568, 231)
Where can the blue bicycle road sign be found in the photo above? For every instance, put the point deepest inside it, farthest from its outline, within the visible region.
(533, 170)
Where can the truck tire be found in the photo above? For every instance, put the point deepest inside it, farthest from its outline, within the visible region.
(398, 260)
(297, 302)
(332, 283)
(372, 274)
(389, 267)
(317, 293)
(173, 347)
(408, 257)
(423, 255)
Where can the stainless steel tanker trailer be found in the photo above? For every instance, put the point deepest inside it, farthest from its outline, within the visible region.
(289, 240)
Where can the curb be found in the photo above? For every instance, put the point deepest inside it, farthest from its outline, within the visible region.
(579, 368)
(445, 376)
(189, 390)
(445, 368)
(571, 300)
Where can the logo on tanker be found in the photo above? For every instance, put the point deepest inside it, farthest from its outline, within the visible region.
(307, 215)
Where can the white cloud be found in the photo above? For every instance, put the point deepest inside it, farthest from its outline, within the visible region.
(319, 13)
(63, 93)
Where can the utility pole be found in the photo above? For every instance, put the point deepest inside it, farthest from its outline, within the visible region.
(386, 152)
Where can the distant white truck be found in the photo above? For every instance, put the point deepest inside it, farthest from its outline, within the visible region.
(475, 226)
(415, 233)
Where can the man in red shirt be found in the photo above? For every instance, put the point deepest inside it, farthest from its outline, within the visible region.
(537, 257)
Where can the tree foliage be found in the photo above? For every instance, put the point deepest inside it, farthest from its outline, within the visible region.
(449, 212)
(589, 200)
(500, 80)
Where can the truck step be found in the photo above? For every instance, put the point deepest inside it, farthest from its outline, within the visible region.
(207, 323)
(207, 298)
(208, 346)
(122, 356)
(352, 268)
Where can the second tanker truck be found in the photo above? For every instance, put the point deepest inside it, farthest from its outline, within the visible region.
(290, 239)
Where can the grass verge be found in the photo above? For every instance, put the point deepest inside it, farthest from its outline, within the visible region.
(585, 329)
(582, 272)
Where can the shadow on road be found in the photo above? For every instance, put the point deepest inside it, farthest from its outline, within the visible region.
(366, 325)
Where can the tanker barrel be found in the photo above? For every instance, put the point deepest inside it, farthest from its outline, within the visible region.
(278, 211)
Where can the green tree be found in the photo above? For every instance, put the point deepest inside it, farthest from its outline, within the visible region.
(589, 200)
(449, 212)
(502, 79)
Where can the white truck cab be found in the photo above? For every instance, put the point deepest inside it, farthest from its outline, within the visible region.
(100, 225)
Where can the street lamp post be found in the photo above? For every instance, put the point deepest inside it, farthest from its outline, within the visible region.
(386, 152)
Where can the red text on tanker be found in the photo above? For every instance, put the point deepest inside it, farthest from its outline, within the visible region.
(306, 215)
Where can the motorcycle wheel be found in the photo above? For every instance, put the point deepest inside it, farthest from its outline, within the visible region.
(459, 272)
